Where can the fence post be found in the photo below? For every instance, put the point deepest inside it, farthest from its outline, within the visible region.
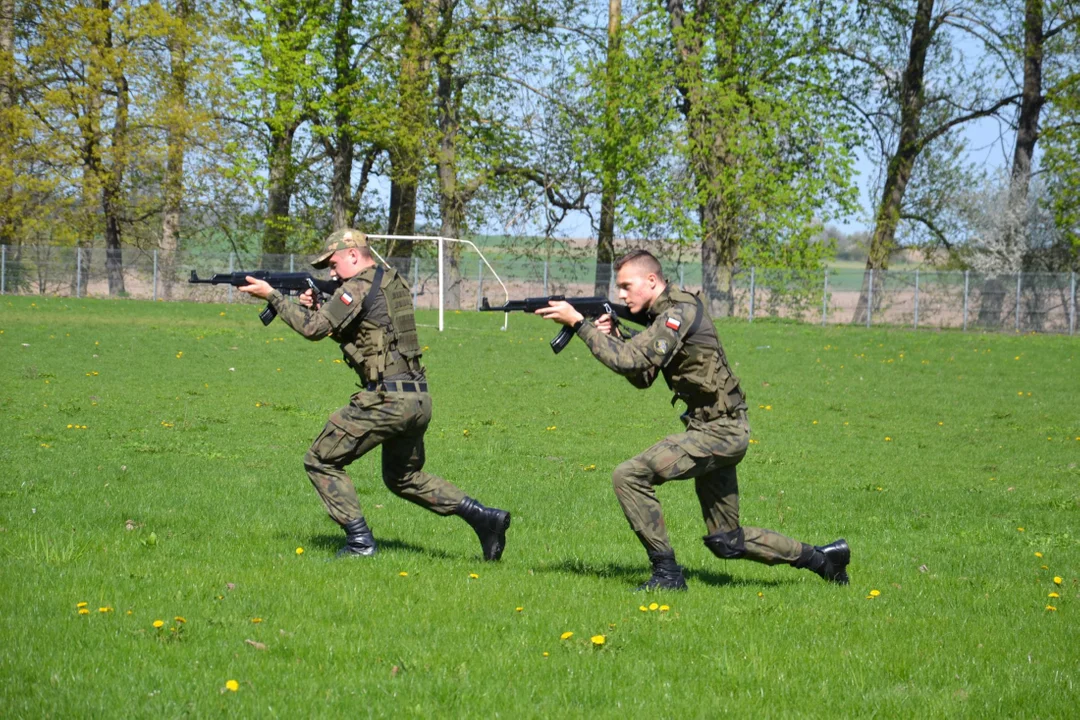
(752, 282)
(916, 299)
(825, 299)
(870, 299)
(479, 281)
(546, 278)
(292, 262)
(231, 258)
(441, 299)
(155, 276)
(1018, 276)
(682, 278)
(965, 298)
(78, 271)
(1072, 305)
(3, 268)
(415, 278)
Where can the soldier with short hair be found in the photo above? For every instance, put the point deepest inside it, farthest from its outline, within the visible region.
(371, 317)
(681, 343)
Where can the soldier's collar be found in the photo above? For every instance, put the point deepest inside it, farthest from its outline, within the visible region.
(660, 304)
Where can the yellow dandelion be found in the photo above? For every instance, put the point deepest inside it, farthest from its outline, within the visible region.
(403, 574)
(814, 423)
(256, 620)
(1044, 567)
(664, 608)
(654, 606)
(180, 619)
(231, 685)
(1020, 393)
(465, 432)
(84, 611)
(258, 404)
(768, 407)
(221, 314)
(474, 576)
(1051, 608)
(753, 441)
(761, 594)
(1019, 529)
(1057, 580)
(299, 551)
(159, 624)
(1038, 554)
(598, 640)
(642, 608)
(81, 604)
(553, 427)
(546, 654)
(888, 439)
(566, 635)
(588, 468)
(940, 423)
(104, 609)
(1053, 595)
(69, 427)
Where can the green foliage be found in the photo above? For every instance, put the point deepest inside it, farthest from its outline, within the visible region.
(184, 500)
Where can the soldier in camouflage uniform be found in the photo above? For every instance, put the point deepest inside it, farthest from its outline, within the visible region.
(681, 343)
(371, 317)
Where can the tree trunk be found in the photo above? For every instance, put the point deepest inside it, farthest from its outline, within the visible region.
(912, 100)
(343, 144)
(1031, 102)
(605, 241)
(112, 187)
(176, 146)
(719, 252)
(406, 155)
(452, 197)
(7, 126)
(279, 193)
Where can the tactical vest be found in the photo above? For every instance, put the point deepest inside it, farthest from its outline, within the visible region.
(698, 371)
(384, 342)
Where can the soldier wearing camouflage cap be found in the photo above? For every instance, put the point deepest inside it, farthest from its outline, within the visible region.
(681, 343)
(371, 317)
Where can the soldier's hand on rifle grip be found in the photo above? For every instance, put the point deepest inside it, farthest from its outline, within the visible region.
(307, 299)
(603, 324)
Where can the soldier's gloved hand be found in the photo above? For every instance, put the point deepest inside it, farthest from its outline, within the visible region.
(603, 324)
(306, 298)
(561, 312)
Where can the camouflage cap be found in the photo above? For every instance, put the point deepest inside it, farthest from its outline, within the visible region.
(340, 240)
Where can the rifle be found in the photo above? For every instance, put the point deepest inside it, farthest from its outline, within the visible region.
(590, 307)
(290, 283)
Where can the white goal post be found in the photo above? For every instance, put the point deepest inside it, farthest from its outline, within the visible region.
(441, 241)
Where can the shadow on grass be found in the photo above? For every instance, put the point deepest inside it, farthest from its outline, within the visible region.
(636, 574)
(334, 543)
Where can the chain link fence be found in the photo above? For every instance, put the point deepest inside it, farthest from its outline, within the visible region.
(1040, 302)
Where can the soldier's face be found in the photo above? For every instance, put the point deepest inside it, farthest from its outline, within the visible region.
(344, 264)
(637, 288)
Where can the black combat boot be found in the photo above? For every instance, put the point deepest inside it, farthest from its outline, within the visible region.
(666, 574)
(490, 525)
(829, 561)
(358, 540)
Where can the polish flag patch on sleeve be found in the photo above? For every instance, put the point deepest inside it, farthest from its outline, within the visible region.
(346, 298)
(672, 323)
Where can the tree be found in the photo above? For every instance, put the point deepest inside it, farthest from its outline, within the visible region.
(765, 140)
(906, 118)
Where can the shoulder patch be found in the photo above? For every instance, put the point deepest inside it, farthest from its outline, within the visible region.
(346, 298)
(660, 345)
(673, 324)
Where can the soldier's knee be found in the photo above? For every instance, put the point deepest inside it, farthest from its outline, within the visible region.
(395, 481)
(312, 461)
(727, 545)
(625, 475)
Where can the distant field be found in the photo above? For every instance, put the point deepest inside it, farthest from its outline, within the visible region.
(152, 470)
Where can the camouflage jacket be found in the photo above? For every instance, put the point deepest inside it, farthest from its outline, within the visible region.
(687, 353)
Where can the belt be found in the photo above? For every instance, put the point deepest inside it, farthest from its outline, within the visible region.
(396, 386)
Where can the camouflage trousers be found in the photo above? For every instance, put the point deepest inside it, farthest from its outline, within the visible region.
(707, 452)
(397, 421)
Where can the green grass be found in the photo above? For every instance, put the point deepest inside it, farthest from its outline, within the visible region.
(202, 451)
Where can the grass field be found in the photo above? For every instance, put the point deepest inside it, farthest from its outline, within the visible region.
(152, 469)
